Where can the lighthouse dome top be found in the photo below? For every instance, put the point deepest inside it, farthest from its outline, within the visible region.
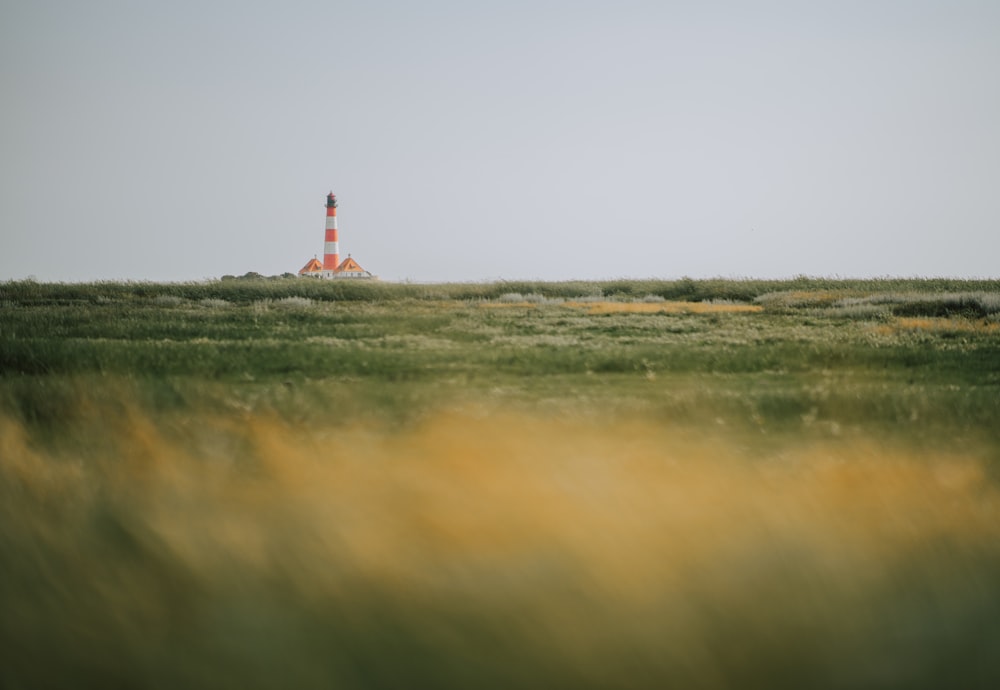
(331, 200)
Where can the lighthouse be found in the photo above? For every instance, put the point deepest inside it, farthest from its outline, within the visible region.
(331, 250)
(332, 266)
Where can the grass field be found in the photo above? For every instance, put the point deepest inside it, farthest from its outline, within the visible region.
(692, 484)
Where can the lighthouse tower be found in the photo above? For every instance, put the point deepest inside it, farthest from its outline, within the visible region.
(331, 251)
(332, 266)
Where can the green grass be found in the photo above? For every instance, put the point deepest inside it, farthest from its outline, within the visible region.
(255, 483)
(457, 348)
(244, 291)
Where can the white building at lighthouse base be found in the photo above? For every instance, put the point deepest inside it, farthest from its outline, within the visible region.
(348, 269)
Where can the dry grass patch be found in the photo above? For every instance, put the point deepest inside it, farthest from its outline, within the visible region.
(789, 299)
(596, 308)
(937, 325)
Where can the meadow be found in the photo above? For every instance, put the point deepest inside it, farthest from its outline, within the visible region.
(690, 483)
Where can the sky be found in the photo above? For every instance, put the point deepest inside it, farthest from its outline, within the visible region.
(507, 140)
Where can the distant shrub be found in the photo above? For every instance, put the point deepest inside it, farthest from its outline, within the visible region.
(294, 303)
(724, 302)
(990, 301)
(595, 297)
(530, 298)
(858, 311)
(929, 304)
(168, 301)
(213, 303)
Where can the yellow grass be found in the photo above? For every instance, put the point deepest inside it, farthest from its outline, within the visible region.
(575, 541)
(810, 298)
(937, 325)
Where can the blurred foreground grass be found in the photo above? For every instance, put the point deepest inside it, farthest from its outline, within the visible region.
(513, 491)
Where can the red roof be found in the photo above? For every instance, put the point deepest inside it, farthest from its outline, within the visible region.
(350, 264)
(313, 266)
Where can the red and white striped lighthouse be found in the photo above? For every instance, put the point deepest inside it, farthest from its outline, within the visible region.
(332, 267)
(331, 251)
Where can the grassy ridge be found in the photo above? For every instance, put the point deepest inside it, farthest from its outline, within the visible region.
(816, 350)
(700, 484)
(242, 291)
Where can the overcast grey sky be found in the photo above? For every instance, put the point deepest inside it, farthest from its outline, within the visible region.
(521, 139)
